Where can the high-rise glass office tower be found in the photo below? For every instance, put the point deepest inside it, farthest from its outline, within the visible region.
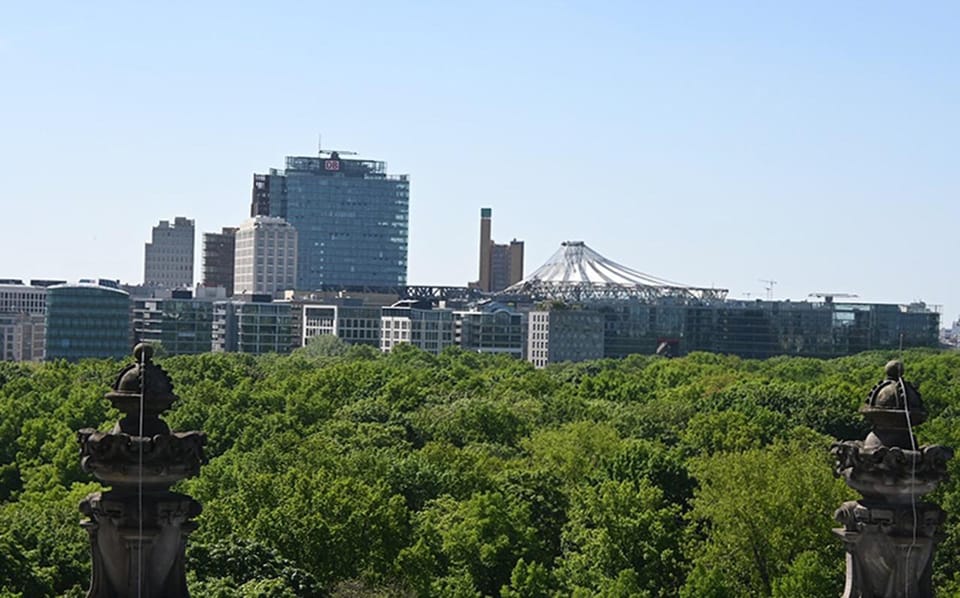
(350, 214)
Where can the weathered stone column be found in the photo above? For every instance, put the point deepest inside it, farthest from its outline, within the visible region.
(138, 529)
(890, 534)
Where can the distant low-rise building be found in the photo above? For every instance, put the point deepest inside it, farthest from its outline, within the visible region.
(254, 325)
(22, 337)
(492, 329)
(22, 320)
(951, 336)
(181, 323)
(88, 319)
(762, 329)
(19, 298)
(563, 334)
(645, 314)
(416, 323)
(354, 324)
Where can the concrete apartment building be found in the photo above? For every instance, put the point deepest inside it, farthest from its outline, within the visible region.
(168, 257)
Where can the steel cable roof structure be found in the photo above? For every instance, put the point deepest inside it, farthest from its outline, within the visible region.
(577, 273)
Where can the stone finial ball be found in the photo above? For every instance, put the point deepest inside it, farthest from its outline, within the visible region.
(143, 352)
(894, 369)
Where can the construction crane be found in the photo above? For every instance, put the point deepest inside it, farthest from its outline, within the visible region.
(829, 297)
(769, 287)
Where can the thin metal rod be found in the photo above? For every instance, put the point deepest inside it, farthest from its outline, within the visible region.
(913, 475)
(143, 385)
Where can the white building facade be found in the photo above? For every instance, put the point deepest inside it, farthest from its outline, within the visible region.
(22, 321)
(354, 324)
(265, 257)
(418, 325)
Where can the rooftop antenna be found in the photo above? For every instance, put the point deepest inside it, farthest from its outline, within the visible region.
(769, 287)
(321, 151)
(829, 297)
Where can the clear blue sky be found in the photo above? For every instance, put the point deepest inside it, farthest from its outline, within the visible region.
(814, 143)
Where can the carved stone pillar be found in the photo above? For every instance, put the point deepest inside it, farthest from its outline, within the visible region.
(890, 534)
(138, 530)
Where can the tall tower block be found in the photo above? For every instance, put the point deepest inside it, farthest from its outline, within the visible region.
(168, 257)
(485, 249)
(351, 218)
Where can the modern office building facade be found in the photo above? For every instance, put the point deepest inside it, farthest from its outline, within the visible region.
(88, 319)
(494, 329)
(255, 325)
(168, 257)
(352, 219)
(418, 324)
(181, 324)
(633, 326)
(762, 329)
(218, 259)
(557, 335)
(265, 256)
(353, 324)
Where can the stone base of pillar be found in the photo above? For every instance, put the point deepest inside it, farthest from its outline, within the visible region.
(138, 544)
(889, 548)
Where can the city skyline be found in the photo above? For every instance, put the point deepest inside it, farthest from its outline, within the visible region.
(709, 145)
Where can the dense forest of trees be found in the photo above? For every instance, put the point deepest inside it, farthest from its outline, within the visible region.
(338, 471)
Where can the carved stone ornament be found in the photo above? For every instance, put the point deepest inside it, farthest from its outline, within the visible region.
(890, 534)
(138, 530)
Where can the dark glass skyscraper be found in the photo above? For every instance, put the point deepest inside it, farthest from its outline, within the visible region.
(350, 214)
(218, 255)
